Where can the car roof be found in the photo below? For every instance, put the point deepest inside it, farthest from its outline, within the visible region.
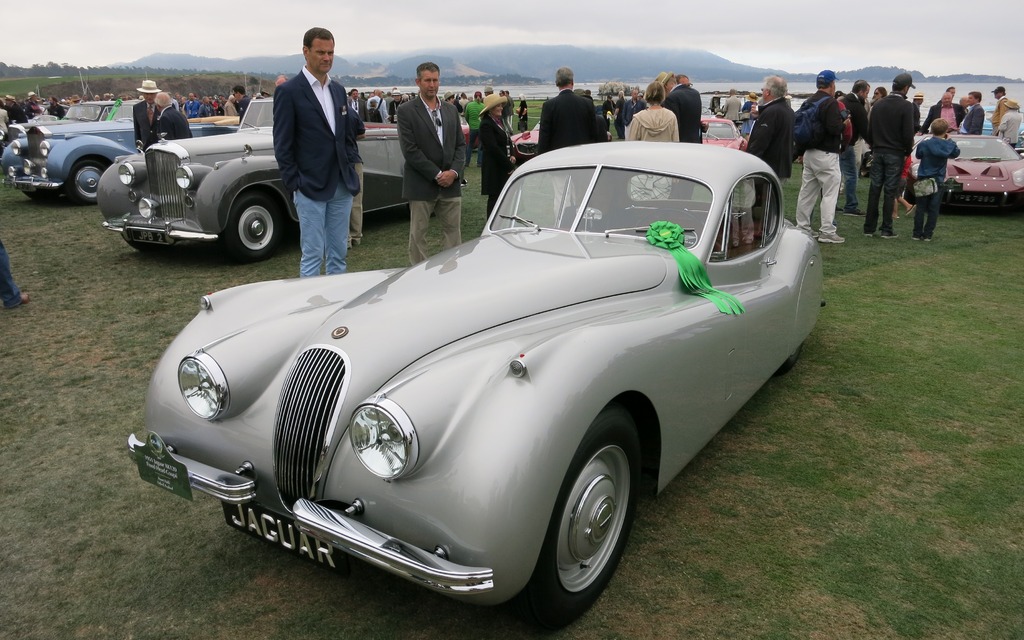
(719, 167)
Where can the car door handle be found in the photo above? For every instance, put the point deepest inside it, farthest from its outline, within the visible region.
(770, 262)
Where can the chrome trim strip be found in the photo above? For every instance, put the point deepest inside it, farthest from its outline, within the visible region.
(392, 555)
(223, 485)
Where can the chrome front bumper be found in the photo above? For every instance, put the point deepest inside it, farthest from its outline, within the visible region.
(120, 225)
(32, 183)
(344, 532)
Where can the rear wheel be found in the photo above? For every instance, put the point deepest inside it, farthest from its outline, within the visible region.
(590, 524)
(81, 184)
(254, 228)
(790, 361)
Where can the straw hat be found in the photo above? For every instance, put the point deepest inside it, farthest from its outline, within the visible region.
(1012, 104)
(148, 86)
(752, 96)
(491, 101)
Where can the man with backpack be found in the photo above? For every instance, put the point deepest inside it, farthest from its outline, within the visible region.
(817, 132)
(891, 136)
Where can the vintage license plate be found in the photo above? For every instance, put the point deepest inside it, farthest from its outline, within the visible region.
(977, 198)
(283, 532)
(148, 235)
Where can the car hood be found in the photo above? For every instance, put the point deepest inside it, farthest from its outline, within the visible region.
(385, 321)
(972, 169)
(210, 149)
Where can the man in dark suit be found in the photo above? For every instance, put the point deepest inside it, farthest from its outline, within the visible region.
(144, 115)
(357, 104)
(947, 109)
(771, 139)
(434, 147)
(567, 119)
(170, 124)
(684, 101)
(315, 155)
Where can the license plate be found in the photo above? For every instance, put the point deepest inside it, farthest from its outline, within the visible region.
(975, 198)
(148, 235)
(282, 532)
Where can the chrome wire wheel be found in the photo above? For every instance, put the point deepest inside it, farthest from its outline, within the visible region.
(593, 518)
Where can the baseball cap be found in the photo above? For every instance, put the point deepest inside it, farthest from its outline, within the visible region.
(902, 81)
(827, 77)
(999, 89)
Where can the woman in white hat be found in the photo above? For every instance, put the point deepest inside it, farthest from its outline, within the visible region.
(496, 150)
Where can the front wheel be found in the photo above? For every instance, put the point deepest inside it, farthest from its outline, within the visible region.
(254, 228)
(81, 184)
(590, 524)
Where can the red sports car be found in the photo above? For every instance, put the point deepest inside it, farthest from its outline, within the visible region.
(722, 133)
(989, 174)
(524, 145)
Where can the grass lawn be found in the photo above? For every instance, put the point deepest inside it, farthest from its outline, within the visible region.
(876, 491)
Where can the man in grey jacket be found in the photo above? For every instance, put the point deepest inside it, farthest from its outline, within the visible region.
(434, 147)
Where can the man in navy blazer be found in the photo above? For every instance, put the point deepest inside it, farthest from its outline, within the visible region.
(567, 119)
(315, 156)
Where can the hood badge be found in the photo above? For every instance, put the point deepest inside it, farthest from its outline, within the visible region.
(339, 333)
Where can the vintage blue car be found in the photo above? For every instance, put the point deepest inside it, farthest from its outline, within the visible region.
(70, 158)
(478, 423)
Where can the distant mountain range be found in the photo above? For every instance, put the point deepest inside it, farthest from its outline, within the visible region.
(521, 64)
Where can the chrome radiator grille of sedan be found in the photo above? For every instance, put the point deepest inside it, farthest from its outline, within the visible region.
(36, 159)
(305, 413)
(160, 166)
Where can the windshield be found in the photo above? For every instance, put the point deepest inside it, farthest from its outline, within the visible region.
(85, 112)
(984, 148)
(721, 130)
(603, 200)
(260, 113)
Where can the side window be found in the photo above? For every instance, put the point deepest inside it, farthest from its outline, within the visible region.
(753, 219)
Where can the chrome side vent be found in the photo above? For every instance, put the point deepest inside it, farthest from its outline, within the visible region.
(306, 412)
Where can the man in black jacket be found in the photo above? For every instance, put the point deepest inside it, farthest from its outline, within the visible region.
(684, 101)
(891, 136)
(170, 124)
(567, 119)
(849, 159)
(946, 104)
(771, 139)
(821, 163)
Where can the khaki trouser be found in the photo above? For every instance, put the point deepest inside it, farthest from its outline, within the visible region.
(448, 212)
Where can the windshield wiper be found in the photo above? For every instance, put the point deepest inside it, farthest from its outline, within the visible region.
(515, 218)
(643, 230)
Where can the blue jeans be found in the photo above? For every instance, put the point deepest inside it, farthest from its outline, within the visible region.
(848, 167)
(474, 138)
(885, 174)
(323, 231)
(9, 292)
(927, 213)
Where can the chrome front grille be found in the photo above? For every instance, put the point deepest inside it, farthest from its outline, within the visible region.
(36, 159)
(160, 166)
(305, 413)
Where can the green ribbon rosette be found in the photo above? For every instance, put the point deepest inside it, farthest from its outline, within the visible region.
(668, 235)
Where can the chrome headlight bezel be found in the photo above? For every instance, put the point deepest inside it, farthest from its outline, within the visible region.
(16, 147)
(126, 174)
(44, 148)
(384, 439)
(184, 177)
(203, 385)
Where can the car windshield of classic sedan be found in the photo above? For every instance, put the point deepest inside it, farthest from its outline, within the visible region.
(259, 114)
(603, 200)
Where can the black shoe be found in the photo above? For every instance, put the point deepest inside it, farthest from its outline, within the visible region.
(855, 212)
(889, 234)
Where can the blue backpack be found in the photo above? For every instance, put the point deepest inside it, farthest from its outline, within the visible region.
(807, 127)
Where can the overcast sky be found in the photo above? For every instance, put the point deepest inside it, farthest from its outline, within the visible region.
(937, 37)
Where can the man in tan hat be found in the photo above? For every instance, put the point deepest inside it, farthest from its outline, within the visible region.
(997, 114)
(14, 111)
(918, 101)
(144, 115)
(1009, 125)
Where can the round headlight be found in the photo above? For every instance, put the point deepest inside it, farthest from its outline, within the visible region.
(126, 174)
(43, 173)
(384, 439)
(16, 147)
(203, 385)
(44, 148)
(183, 176)
(147, 208)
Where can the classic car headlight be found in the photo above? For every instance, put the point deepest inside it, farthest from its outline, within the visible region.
(203, 385)
(147, 208)
(44, 148)
(1018, 177)
(126, 174)
(16, 147)
(183, 176)
(384, 439)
